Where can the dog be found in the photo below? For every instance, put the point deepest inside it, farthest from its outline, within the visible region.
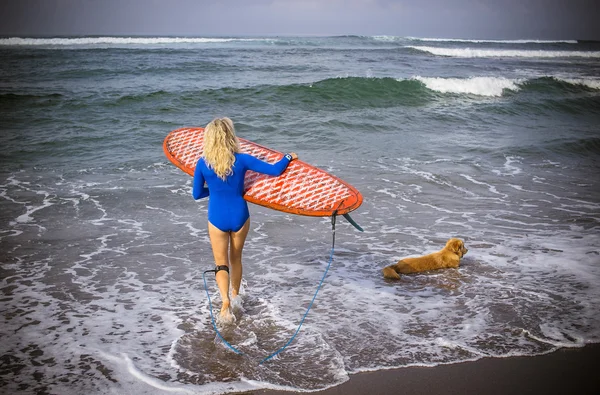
(447, 257)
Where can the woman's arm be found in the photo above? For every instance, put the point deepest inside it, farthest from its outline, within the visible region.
(274, 169)
(199, 191)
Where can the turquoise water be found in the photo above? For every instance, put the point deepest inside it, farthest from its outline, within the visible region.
(102, 246)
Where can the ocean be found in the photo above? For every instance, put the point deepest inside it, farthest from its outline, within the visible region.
(102, 247)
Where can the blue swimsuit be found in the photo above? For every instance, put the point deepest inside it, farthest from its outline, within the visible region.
(227, 209)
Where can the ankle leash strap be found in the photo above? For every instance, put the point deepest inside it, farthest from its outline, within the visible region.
(218, 268)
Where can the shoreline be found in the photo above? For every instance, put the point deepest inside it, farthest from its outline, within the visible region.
(564, 371)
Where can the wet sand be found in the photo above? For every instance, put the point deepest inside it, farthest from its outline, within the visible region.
(565, 371)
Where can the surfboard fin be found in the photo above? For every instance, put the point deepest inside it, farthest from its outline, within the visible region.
(349, 219)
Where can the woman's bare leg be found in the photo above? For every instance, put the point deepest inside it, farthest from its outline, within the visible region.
(219, 241)
(235, 256)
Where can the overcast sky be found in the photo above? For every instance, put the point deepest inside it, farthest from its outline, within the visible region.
(500, 19)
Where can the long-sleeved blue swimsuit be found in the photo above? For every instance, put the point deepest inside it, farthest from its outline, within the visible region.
(227, 209)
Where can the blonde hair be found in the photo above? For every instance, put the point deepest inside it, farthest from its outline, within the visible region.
(220, 146)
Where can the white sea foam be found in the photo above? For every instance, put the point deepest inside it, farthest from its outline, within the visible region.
(521, 41)
(504, 53)
(30, 206)
(466, 40)
(483, 86)
(495, 86)
(386, 38)
(116, 41)
(124, 362)
(511, 167)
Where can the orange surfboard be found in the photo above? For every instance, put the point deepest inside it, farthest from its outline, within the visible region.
(302, 189)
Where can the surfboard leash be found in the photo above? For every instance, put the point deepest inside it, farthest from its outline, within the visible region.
(314, 296)
(333, 220)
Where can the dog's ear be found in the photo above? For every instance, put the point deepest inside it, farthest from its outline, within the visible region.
(455, 245)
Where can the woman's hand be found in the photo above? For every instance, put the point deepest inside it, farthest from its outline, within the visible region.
(293, 155)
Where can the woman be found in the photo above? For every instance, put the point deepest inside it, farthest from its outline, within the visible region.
(223, 167)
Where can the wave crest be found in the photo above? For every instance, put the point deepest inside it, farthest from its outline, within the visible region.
(19, 41)
(480, 41)
(482, 86)
(503, 53)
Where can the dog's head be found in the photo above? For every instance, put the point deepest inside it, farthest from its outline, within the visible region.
(457, 246)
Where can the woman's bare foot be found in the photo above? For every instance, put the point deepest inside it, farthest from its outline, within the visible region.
(225, 314)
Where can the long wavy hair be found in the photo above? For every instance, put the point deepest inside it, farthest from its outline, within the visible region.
(220, 146)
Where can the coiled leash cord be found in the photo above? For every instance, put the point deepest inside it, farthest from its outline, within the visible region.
(303, 317)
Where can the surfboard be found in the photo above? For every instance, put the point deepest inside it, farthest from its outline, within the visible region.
(302, 188)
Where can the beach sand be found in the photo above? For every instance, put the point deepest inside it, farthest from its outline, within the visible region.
(565, 371)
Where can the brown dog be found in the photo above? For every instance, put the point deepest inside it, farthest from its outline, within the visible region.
(449, 256)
